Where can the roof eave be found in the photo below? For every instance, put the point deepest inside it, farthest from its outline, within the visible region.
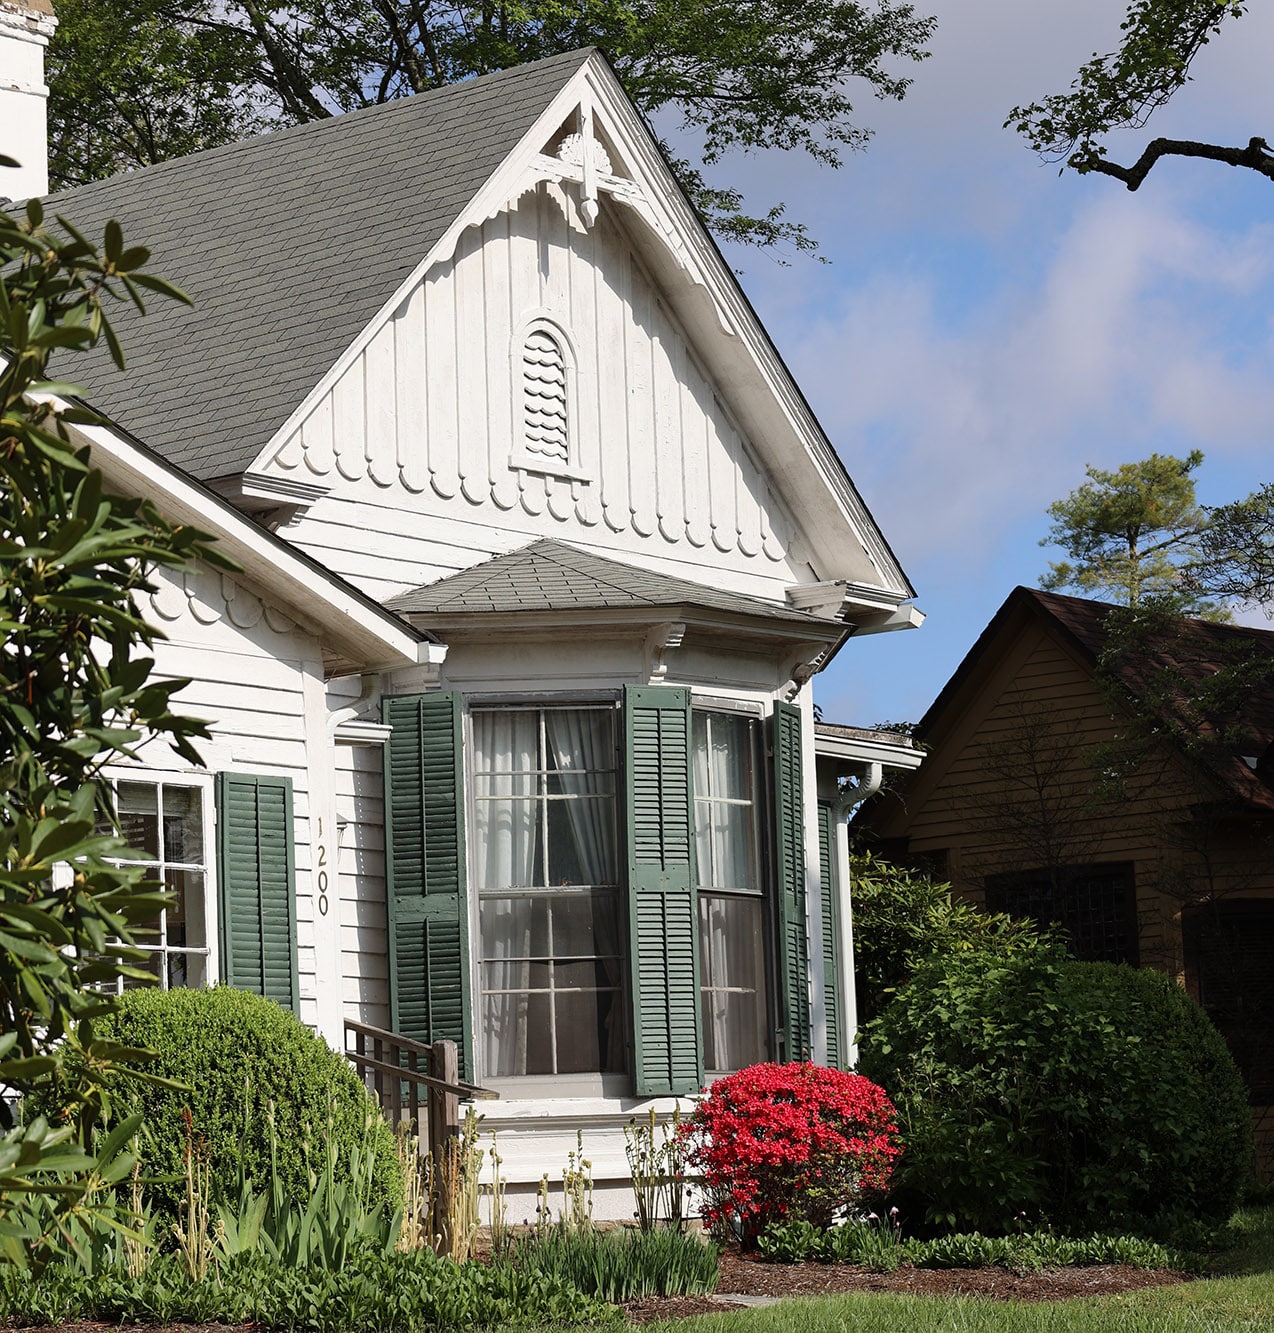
(360, 634)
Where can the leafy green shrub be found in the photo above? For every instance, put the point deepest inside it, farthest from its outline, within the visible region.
(902, 917)
(1083, 1095)
(622, 1265)
(873, 1243)
(389, 1292)
(877, 1245)
(244, 1061)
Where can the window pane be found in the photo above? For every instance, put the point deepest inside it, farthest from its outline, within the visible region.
(517, 1034)
(138, 806)
(588, 1038)
(183, 825)
(187, 969)
(586, 926)
(732, 968)
(723, 755)
(508, 852)
(513, 928)
(725, 845)
(186, 920)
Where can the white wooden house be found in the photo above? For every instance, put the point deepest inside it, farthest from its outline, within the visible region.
(541, 547)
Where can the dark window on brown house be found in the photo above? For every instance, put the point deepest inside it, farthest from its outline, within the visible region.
(1229, 954)
(1096, 907)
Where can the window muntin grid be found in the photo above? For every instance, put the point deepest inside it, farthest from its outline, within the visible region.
(728, 798)
(165, 823)
(545, 869)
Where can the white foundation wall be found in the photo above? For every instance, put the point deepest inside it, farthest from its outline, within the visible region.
(257, 678)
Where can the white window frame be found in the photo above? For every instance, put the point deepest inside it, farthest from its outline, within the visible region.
(524, 1086)
(203, 783)
(709, 707)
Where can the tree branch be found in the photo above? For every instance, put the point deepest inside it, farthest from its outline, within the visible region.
(1256, 156)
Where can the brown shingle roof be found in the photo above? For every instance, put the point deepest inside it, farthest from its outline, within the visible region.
(1189, 650)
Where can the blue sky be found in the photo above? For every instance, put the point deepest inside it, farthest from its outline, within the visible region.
(985, 327)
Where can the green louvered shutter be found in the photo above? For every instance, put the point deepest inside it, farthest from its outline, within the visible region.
(425, 868)
(789, 843)
(661, 900)
(831, 929)
(257, 885)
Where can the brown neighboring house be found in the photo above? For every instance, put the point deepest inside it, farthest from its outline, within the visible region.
(1028, 802)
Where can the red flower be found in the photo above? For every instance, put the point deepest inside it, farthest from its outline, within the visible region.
(799, 1139)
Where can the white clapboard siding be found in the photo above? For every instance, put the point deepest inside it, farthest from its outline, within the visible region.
(361, 868)
(427, 423)
(247, 665)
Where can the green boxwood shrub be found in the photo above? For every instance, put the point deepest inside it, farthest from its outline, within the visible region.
(239, 1054)
(1033, 1088)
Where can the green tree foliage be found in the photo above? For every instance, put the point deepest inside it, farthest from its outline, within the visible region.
(1123, 88)
(1083, 1095)
(1237, 549)
(1132, 535)
(143, 80)
(76, 691)
(903, 917)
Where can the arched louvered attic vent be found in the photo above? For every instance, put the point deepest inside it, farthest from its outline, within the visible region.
(545, 427)
(545, 406)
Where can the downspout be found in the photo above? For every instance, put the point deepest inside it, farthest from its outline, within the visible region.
(850, 799)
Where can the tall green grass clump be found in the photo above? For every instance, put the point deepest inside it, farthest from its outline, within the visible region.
(621, 1265)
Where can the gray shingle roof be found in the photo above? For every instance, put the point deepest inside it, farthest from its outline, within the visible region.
(549, 575)
(289, 244)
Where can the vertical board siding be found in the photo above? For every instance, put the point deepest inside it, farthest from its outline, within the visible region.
(789, 843)
(648, 419)
(424, 846)
(360, 806)
(662, 931)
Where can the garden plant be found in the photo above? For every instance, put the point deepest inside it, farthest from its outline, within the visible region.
(789, 1141)
(1081, 1096)
(263, 1097)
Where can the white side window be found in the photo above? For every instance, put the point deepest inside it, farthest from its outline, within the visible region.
(168, 821)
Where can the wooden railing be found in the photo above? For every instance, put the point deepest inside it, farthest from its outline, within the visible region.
(412, 1081)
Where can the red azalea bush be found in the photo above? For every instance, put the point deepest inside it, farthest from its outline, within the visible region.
(776, 1142)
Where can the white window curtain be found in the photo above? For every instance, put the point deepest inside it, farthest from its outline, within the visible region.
(544, 821)
(505, 786)
(731, 907)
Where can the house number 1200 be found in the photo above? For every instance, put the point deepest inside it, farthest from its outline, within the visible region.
(321, 866)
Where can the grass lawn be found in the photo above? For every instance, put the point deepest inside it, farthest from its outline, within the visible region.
(1244, 1299)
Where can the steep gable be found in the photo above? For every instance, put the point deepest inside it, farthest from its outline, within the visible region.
(288, 244)
(346, 273)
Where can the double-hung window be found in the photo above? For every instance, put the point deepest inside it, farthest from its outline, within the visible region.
(545, 867)
(727, 802)
(166, 824)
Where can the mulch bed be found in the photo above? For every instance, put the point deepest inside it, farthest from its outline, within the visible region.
(749, 1275)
